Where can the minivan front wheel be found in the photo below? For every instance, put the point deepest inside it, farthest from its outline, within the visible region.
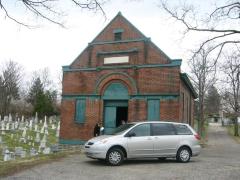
(183, 155)
(115, 157)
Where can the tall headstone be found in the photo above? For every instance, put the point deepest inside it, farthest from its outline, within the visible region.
(7, 126)
(13, 126)
(37, 139)
(45, 122)
(16, 124)
(30, 124)
(58, 130)
(36, 127)
(10, 117)
(42, 130)
(22, 118)
(24, 132)
(36, 118)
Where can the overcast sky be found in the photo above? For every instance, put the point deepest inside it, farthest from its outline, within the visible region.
(52, 46)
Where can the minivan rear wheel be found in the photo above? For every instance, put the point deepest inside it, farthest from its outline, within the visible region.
(115, 157)
(183, 155)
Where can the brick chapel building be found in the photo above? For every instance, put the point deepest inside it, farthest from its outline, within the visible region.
(122, 75)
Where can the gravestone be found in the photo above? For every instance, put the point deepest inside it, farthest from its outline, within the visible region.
(42, 130)
(23, 140)
(46, 150)
(33, 152)
(24, 132)
(36, 118)
(5, 118)
(10, 118)
(53, 126)
(57, 133)
(3, 126)
(18, 151)
(16, 124)
(13, 126)
(7, 126)
(43, 141)
(36, 128)
(7, 156)
(23, 154)
(54, 148)
(46, 132)
(45, 123)
(30, 124)
(37, 139)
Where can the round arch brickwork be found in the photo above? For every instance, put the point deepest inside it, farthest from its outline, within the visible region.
(124, 78)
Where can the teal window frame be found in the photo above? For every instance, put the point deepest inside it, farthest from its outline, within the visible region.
(80, 111)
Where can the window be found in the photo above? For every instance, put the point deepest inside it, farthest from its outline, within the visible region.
(118, 36)
(162, 129)
(80, 110)
(141, 130)
(182, 130)
(153, 110)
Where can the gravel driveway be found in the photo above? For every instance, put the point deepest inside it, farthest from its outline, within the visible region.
(219, 160)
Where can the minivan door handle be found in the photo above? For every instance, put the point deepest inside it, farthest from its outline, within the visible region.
(149, 138)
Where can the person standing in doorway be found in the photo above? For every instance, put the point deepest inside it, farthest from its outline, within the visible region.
(96, 131)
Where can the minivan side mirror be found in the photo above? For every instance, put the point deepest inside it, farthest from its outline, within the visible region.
(130, 134)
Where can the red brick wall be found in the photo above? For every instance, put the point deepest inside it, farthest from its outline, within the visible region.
(169, 110)
(187, 109)
(74, 131)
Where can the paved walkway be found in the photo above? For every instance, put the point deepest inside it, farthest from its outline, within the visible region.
(219, 160)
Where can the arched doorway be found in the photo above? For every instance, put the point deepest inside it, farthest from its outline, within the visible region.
(115, 99)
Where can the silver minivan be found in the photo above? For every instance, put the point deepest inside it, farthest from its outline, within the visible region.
(151, 139)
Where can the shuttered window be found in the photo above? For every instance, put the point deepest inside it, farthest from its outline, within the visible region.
(153, 110)
(80, 110)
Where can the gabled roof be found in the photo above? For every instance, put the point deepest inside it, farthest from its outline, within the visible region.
(188, 83)
(119, 15)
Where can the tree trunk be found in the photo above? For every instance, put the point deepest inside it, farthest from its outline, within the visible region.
(236, 126)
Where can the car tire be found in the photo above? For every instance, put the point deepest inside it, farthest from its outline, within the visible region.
(184, 155)
(115, 157)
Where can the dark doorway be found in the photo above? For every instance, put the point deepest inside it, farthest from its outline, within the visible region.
(122, 116)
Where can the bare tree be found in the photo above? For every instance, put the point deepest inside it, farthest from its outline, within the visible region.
(46, 9)
(231, 68)
(203, 71)
(221, 24)
(10, 79)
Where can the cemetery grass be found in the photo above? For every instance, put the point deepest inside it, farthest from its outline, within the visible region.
(231, 133)
(11, 167)
(13, 141)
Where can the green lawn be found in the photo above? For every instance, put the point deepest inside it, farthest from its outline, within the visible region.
(204, 137)
(231, 132)
(10, 167)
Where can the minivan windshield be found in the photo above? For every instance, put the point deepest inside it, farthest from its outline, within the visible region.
(121, 129)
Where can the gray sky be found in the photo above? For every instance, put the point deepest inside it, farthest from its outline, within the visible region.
(52, 46)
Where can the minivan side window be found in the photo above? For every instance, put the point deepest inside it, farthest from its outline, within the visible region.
(182, 129)
(160, 129)
(141, 130)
